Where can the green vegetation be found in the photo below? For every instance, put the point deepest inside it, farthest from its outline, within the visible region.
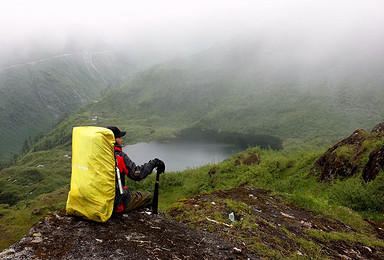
(33, 98)
(44, 173)
(16, 220)
(285, 173)
(261, 231)
(351, 237)
(160, 102)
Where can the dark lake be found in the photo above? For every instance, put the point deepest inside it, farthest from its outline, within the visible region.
(195, 147)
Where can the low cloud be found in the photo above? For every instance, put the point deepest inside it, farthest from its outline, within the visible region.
(310, 27)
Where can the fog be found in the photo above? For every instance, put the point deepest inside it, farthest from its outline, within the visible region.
(308, 29)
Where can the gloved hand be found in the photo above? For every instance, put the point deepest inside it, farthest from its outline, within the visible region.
(159, 165)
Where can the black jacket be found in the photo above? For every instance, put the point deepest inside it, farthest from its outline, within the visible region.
(131, 170)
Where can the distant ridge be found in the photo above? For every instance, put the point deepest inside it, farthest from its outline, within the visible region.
(36, 94)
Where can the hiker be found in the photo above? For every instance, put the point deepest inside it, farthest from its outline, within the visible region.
(130, 200)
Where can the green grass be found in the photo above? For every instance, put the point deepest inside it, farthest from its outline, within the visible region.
(286, 173)
(334, 236)
(311, 250)
(40, 173)
(283, 173)
(17, 220)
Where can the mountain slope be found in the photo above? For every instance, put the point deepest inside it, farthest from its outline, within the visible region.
(243, 86)
(246, 86)
(35, 95)
(239, 87)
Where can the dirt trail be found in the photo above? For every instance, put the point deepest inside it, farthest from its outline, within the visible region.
(54, 57)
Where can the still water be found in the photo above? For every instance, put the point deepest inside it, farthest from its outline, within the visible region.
(180, 155)
(195, 147)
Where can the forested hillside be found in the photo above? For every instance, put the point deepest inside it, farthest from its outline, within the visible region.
(244, 86)
(35, 95)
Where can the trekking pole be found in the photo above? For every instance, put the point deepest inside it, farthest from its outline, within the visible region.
(155, 201)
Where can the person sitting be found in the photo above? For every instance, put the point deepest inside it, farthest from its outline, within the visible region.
(126, 200)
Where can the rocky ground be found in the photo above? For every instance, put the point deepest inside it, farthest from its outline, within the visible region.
(263, 227)
(137, 235)
(266, 227)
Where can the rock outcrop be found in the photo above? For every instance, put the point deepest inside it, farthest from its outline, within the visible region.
(360, 153)
(379, 129)
(137, 235)
(247, 158)
(374, 164)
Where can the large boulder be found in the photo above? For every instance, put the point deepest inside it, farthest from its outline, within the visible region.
(374, 164)
(379, 129)
(356, 154)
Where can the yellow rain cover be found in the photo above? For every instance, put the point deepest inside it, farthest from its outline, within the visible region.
(93, 173)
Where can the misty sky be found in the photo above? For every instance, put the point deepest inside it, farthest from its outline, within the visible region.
(193, 23)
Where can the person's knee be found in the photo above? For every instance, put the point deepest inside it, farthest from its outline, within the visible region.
(147, 197)
(140, 199)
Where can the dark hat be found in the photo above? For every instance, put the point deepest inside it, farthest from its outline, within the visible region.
(116, 131)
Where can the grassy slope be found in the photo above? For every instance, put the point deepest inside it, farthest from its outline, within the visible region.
(34, 97)
(285, 173)
(235, 89)
(203, 91)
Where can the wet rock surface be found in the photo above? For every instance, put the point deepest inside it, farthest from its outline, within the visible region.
(360, 153)
(374, 164)
(379, 129)
(136, 235)
(263, 227)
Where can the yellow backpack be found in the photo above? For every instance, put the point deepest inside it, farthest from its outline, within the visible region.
(92, 189)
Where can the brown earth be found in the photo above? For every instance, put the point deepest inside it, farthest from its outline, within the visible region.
(264, 227)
